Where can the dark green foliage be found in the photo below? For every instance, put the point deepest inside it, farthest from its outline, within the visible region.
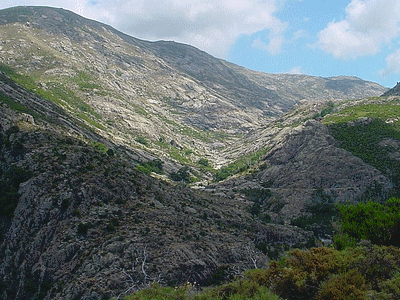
(219, 276)
(65, 204)
(222, 174)
(240, 165)
(141, 140)
(321, 212)
(10, 179)
(110, 152)
(326, 111)
(258, 196)
(204, 162)
(155, 166)
(343, 241)
(82, 228)
(182, 175)
(372, 221)
(363, 141)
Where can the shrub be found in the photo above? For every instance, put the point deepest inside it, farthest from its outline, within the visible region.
(155, 166)
(391, 288)
(350, 285)
(204, 162)
(343, 241)
(377, 263)
(10, 180)
(82, 228)
(322, 211)
(300, 275)
(141, 140)
(110, 152)
(181, 175)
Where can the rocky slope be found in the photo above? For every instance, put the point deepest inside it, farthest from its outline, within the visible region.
(395, 91)
(168, 93)
(89, 225)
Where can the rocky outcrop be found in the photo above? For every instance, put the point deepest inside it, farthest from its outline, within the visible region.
(395, 91)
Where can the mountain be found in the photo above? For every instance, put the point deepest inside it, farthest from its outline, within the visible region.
(125, 162)
(127, 89)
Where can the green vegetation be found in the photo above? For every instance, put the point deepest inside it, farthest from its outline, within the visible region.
(363, 140)
(239, 289)
(85, 81)
(240, 165)
(316, 274)
(57, 93)
(155, 166)
(383, 111)
(23, 80)
(378, 223)
(182, 175)
(258, 196)
(142, 140)
(326, 111)
(321, 212)
(18, 106)
(10, 179)
(364, 129)
(203, 162)
(11, 176)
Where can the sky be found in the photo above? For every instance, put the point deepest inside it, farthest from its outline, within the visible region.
(315, 37)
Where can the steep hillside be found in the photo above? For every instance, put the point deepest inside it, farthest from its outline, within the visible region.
(168, 97)
(80, 221)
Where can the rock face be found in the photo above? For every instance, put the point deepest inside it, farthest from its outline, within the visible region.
(302, 160)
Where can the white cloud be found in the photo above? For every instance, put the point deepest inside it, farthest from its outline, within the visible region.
(300, 34)
(211, 25)
(273, 47)
(295, 70)
(368, 25)
(392, 64)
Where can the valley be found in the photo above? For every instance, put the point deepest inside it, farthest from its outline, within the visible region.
(126, 162)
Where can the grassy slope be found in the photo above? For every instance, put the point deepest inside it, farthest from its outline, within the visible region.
(363, 130)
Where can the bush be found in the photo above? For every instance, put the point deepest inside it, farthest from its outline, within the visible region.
(141, 140)
(204, 162)
(390, 289)
(350, 285)
(300, 275)
(343, 241)
(9, 185)
(372, 221)
(155, 166)
(181, 175)
(322, 211)
(377, 263)
(82, 228)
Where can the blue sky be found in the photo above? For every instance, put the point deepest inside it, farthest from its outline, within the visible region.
(316, 37)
